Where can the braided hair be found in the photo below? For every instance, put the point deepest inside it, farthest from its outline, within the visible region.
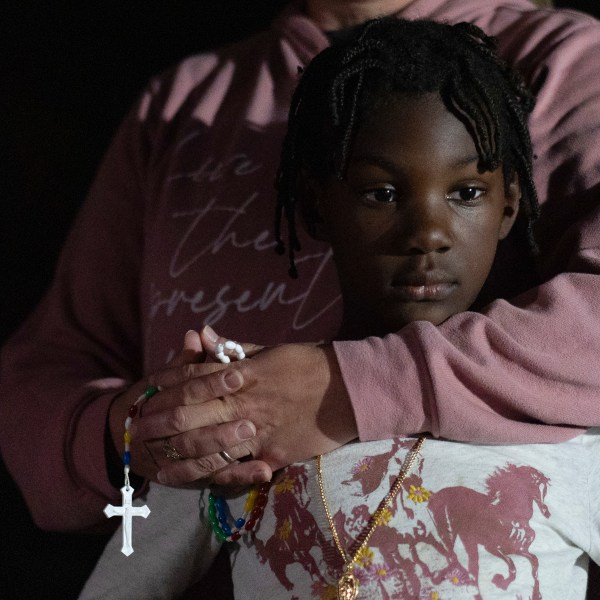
(391, 56)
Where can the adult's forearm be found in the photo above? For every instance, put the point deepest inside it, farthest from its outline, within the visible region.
(55, 449)
(520, 372)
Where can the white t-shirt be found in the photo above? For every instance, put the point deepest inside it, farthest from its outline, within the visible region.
(470, 521)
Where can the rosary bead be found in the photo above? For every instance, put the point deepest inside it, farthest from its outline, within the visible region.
(150, 391)
(225, 527)
(220, 535)
(127, 510)
(256, 513)
(261, 500)
(250, 499)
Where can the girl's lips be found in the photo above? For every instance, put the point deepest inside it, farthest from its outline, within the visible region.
(430, 292)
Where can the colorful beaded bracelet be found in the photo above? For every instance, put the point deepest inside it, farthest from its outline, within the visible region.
(228, 529)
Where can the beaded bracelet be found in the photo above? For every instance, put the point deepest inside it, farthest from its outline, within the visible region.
(228, 529)
(127, 510)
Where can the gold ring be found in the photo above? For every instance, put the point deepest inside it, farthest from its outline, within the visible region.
(170, 451)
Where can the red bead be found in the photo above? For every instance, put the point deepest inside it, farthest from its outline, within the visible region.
(250, 524)
(256, 513)
(235, 536)
(133, 410)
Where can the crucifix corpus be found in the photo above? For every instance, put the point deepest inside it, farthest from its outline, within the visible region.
(127, 511)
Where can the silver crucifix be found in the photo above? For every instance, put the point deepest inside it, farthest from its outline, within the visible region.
(127, 511)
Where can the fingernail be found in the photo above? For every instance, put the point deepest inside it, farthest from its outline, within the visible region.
(209, 332)
(233, 380)
(160, 477)
(245, 431)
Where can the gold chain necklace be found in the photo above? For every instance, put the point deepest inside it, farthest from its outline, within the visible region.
(347, 588)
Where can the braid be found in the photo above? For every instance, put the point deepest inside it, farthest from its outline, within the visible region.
(393, 56)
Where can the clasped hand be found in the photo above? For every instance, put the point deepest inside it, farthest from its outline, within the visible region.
(278, 406)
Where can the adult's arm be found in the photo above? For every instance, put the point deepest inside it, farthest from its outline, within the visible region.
(522, 371)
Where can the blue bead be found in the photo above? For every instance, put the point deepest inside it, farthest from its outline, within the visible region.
(226, 529)
(239, 523)
(126, 458)
(222, 518)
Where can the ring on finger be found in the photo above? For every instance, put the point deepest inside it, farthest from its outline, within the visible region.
(170, 451)
(226, 457)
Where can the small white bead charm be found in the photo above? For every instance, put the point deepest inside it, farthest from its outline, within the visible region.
(229, 345)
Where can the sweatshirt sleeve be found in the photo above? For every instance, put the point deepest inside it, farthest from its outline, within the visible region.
(490, 377)
(495, 376)
(79, 349)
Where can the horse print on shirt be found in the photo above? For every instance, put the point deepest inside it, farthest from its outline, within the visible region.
(454, 541)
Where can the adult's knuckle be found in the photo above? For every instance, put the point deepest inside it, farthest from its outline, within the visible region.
(188, 371)
(206, 464)
(184, 447)
(178, 419)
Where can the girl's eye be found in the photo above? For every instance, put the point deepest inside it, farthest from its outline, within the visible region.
(467, 194)
(380, 195)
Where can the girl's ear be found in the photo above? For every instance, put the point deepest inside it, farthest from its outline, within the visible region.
(310, 191)
(512, 199)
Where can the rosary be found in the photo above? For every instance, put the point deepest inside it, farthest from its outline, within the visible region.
(219, 514)
(127, 510)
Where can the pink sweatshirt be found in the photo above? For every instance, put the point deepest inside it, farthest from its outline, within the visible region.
(177, 232)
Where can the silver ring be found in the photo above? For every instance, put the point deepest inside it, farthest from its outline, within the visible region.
(226, 457)
(170, 451)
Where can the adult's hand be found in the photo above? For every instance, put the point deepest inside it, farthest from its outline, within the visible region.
(186, 381)
(293, 394)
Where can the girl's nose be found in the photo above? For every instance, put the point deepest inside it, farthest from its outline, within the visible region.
(425, 227)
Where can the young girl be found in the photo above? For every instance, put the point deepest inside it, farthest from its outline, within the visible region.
(407, 150)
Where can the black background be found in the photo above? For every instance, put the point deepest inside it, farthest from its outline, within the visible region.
(69, 72)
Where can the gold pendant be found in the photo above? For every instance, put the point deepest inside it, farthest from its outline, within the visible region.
(347, 587)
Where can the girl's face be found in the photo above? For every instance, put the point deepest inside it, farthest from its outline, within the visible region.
(414, 227)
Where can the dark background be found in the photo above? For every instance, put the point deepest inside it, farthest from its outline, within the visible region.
(69, 72)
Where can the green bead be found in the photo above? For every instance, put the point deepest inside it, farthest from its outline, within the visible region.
(150, 391)
(220, 535)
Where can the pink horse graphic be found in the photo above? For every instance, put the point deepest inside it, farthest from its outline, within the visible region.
(297, 531)
(498, 521)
